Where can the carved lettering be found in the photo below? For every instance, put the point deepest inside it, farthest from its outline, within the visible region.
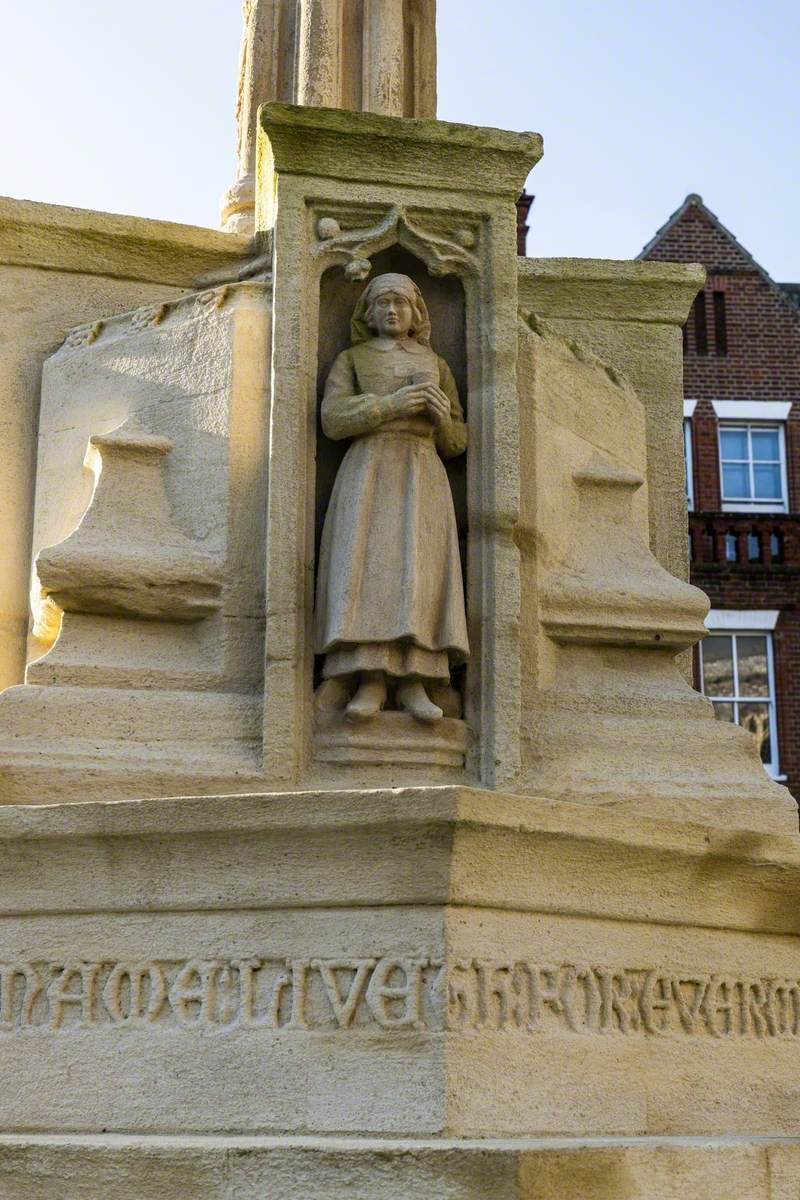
(395, 994)
(717, 1006)
(192, 994)
(299, 969)
(783, 1008)
(344, 1007)
(82, 1001)
(248, 969)
(398, 1004)
(463, 1008)
(134, 995)
(20, 989)
(656, 1002)
(544, 991)
(615, 991)
(689, 995)
(499, 996)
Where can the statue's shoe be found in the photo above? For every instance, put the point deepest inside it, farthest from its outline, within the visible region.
(415, 700)
(367, 702)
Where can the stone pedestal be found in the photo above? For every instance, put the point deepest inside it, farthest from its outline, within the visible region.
(344, 994)
(546, 946)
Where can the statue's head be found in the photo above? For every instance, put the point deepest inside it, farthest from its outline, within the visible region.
(391, 305)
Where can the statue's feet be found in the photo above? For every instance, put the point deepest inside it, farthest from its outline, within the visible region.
(368, 700)
(411, 696)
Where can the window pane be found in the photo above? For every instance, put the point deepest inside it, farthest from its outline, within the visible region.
(736, 481)
(755, 718)
(766, 445)
(734, 443)
(723, 710)
(767, 482)
(717, 666)
(751, 652)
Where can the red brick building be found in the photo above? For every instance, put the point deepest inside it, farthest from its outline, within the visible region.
(742, 422)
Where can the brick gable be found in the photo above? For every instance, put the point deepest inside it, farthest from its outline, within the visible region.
(762, 345)
(693, 237)
(742, 342)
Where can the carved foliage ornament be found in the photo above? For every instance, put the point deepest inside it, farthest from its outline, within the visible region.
(205, 303)
(443, 251)
(84, 335)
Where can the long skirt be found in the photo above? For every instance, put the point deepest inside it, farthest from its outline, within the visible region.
(390, 595)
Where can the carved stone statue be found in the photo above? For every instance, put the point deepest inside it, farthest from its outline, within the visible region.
(390, 597)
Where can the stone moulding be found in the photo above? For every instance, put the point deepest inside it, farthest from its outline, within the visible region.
(191, 306)
(631, 317)
(391, 739)
(127, 557)
(137, 681)
(612, 589)
(429, 155)
(608, 290)
(54, 237)
(249, 1168)
(609, 719)
(534, 856)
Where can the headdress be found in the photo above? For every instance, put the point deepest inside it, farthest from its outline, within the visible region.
(360, 330)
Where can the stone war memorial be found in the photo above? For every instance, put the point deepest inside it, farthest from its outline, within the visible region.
(362, 836)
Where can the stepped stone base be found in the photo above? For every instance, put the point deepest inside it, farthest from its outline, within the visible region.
(369, 995)
(242, 1168)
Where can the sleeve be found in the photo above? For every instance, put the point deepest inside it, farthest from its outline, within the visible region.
(452, 440)
(345, 414)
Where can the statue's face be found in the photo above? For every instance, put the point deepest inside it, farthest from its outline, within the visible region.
(391, 314)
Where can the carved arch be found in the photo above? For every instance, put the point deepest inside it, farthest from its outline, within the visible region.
(443, 250)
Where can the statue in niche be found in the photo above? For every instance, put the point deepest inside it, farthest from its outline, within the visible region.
(390, 596)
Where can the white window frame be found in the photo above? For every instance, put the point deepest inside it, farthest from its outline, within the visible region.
(687, 454)
(754, 506)
(773, 411)
(734, 628)
(741, 620)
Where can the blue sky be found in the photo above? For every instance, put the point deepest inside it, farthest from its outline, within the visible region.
(129, 108)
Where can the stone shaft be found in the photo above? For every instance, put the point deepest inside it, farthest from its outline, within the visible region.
(365, 55)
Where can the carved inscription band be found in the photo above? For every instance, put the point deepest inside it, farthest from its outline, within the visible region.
(392, 994)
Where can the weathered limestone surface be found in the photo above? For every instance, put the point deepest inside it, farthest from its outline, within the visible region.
(247, 1168)
(362, 55)
(504, 968)
(608, 719)
(148, 575)
(571, 690)
(61, 267)
(569, 971)
(632, 320)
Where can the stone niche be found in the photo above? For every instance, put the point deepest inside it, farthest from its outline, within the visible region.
(147, 587)
(348, 196)
(393, 739)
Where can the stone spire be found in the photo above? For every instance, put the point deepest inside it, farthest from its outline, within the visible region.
(366, 55)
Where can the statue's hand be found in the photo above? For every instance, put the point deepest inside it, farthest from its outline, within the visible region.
(409, 401)
(438, 406)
